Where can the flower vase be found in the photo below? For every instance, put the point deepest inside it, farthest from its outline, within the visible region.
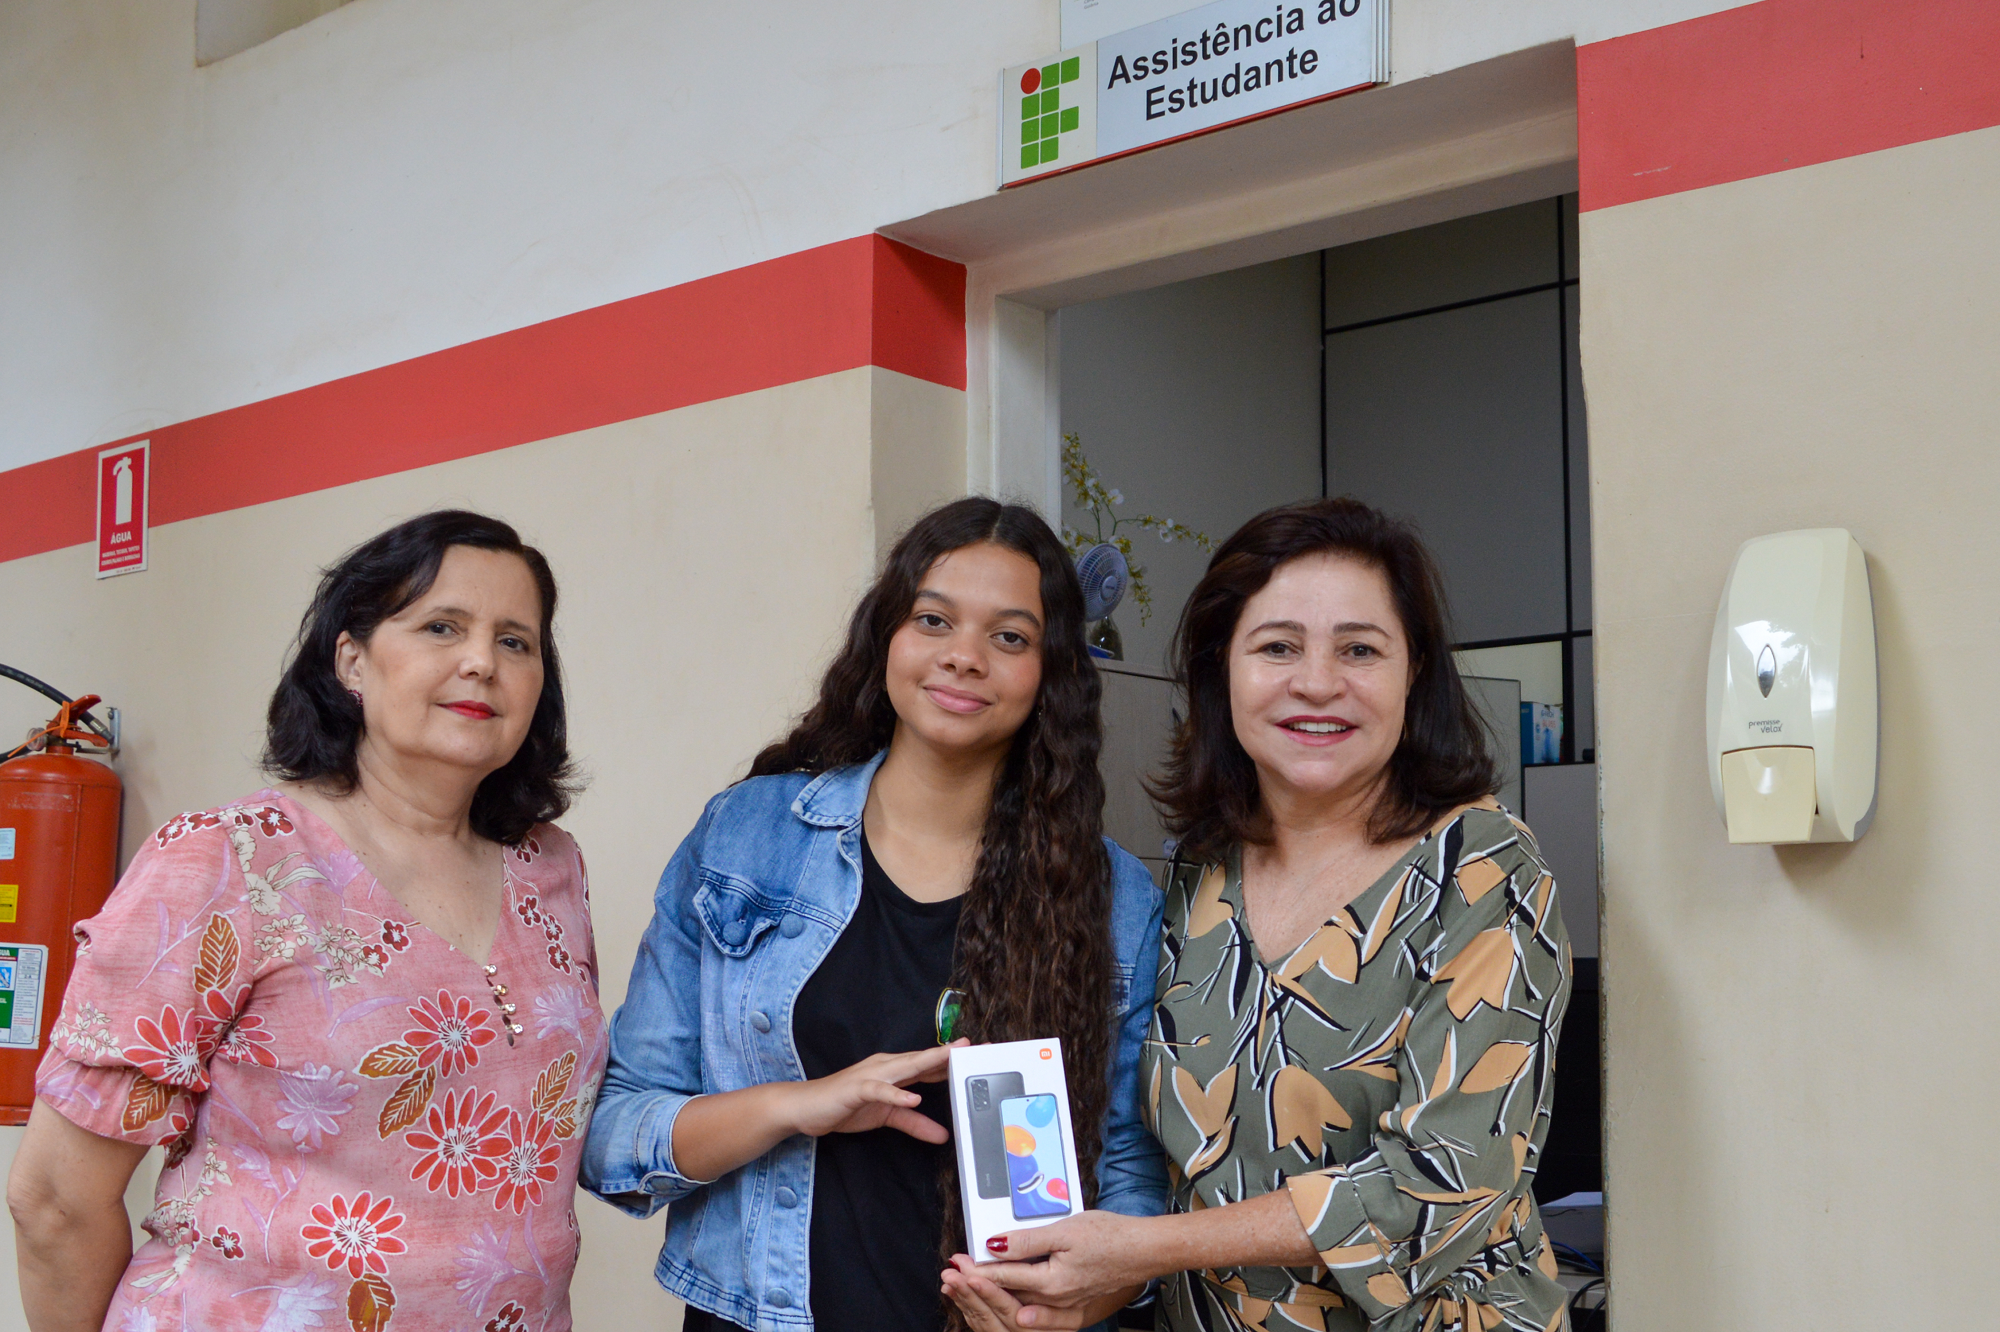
(1104, 640)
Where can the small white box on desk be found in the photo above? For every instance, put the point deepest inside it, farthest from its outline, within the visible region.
(1011, 1128)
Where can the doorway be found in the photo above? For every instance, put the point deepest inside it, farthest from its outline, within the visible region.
(1433, 373)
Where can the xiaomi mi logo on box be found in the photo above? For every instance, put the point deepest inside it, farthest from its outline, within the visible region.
(1046, 1054)
(123, 498)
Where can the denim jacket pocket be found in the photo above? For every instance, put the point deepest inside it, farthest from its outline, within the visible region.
(731, 913)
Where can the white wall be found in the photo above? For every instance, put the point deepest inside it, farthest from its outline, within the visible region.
(224, 27)
(405, 175)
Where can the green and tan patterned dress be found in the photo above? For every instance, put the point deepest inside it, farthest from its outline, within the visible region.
(1393, 1073)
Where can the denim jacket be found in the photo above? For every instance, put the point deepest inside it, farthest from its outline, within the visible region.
(746, 910)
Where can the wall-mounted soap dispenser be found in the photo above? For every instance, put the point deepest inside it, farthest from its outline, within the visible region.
(1791, 691)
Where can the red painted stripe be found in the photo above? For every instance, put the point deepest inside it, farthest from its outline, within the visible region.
(1777, 85)
(867, 301)
(919, 317)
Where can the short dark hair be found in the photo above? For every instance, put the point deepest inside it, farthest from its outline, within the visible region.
(1209, 791)
(314, 724)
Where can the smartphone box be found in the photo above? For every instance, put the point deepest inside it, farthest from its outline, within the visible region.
(1011, 1127)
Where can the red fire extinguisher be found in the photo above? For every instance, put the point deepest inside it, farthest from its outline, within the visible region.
(58, 860)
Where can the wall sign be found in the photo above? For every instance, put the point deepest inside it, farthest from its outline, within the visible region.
(1225, 62)
(23, 967)
(123, 500)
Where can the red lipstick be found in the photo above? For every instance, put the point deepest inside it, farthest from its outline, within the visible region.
(469, 708)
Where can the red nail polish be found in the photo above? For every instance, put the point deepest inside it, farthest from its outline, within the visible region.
(998, 1244)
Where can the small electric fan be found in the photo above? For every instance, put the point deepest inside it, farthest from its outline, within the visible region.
(1105, 579)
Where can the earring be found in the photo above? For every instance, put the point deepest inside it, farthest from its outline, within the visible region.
(355, 694)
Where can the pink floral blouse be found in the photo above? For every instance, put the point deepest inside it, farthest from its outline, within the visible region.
(354, 1133)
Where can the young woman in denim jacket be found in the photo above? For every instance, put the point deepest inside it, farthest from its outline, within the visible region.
(929, 834)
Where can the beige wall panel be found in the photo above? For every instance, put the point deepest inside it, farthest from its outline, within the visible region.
(1801, 1079)
(917, 430)
(707, 557)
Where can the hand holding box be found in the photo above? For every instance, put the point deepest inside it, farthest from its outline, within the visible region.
(1016, 1148)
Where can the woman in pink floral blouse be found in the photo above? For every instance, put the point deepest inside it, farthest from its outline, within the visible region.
(359, 1009)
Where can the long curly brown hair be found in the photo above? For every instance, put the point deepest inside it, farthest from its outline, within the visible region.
(1034, 954)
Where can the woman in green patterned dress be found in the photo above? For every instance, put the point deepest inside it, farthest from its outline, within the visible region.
(1363, 976)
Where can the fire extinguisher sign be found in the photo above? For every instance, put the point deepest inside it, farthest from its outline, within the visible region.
(124, 500)
(22, 968)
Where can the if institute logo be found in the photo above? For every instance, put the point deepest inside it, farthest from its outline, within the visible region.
(1044, 118)
(1048, 115)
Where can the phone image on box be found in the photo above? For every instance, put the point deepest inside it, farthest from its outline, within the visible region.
(1037, 1176)
(984, 1093)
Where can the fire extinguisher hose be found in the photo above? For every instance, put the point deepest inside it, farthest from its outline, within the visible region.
(43, 687)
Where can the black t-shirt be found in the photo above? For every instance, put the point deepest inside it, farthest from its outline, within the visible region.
(876, 1212)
